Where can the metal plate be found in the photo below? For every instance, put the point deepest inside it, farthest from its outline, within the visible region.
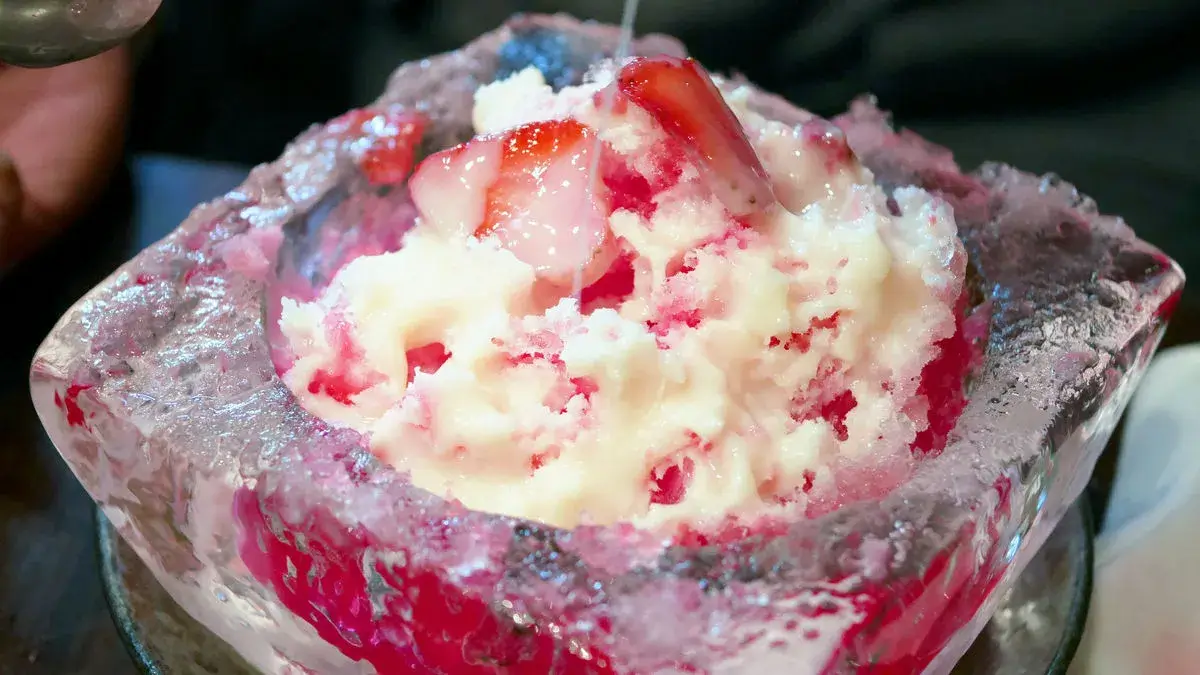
(1036, 629)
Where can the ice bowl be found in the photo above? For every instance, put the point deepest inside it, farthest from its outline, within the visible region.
(287, 539)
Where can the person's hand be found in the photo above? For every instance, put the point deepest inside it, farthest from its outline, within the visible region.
(61, 135)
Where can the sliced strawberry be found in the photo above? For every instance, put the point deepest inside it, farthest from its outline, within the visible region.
(531, 189)
(450, 188)
(426, 359)
(394, 137)
(388, 162)
(543, 206)
(669, 485)
(683, 99)
(612, 287)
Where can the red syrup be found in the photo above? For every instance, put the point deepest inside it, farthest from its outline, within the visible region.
(424, 624)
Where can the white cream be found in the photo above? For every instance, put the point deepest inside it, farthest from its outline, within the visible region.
(715, 394)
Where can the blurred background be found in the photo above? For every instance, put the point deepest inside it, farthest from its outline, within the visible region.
(1103, 92)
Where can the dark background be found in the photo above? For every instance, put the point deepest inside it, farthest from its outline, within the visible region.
(1105, 93)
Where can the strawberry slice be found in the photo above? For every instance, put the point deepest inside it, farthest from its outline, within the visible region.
(680, 95)
(450, 188)
(530, 188)
(543, 206)
(394, 135)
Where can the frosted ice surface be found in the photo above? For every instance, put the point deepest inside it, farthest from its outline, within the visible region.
(284, 537)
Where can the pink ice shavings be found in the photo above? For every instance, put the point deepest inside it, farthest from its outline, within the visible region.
(398, 617)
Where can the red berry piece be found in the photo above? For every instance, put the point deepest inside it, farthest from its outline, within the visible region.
(680, 95)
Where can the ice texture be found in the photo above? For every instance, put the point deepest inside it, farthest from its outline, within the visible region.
(289, 541)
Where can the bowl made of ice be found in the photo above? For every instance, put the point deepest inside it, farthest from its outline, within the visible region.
(288, 540)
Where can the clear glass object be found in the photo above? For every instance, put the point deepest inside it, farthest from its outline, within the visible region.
(289, 541)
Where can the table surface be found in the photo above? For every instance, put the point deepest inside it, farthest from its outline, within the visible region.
(54, 619)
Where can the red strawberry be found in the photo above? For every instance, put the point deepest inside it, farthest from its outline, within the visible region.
(683, 99)
(394, 135)
(427, 359)
(543, 205)
(450, 188)
(387, 162)
(529, 187)
(669, 485)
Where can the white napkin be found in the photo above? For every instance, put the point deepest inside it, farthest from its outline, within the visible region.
(1145, 612)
